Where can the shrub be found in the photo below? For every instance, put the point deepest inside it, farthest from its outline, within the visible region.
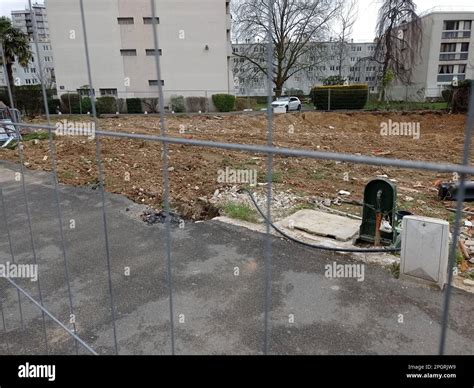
(224, 102)
(134, 105)
(242, 103)
(196, 104)
(342, 97)
(107, 104)
(86, 105)
(447, 95)
(151, 105)
(461, 93)
(29, 99)
(177, 104)
(54, 104)
(70, 103)
(4, 96)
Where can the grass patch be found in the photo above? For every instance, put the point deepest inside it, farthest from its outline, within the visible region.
(395, 270)
(317, 175)
(41, 135)
(405, 106)
(240, 211)
(277, 177)
(66, 174)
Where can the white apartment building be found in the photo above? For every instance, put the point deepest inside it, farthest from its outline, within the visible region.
(30, 75)
(447, 53)
(194, 46)
(349, 60)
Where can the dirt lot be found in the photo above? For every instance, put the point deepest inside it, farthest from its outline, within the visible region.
(133, 168)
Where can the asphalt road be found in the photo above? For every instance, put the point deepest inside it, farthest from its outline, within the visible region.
(218, 287)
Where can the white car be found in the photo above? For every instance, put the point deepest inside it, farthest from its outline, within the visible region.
(290, 103)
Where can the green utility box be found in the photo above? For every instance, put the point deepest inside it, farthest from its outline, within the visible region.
(380, 196)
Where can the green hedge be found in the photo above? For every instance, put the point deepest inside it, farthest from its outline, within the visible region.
(106, 105)
(342, 97)
(54, 105)
(134, 105)
(224, 102)
(177, 104)
(70, 103)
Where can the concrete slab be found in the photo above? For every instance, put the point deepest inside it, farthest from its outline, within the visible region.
(324, 224)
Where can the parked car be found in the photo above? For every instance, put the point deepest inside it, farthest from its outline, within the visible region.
(290, 103)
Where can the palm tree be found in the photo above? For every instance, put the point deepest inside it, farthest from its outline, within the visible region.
(16, 46)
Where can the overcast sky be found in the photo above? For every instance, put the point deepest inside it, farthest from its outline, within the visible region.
(364, 30)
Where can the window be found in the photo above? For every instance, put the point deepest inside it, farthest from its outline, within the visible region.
(461, 69)
(33, 70)
(464, 47)
(47, 59)
(151, 52)
(467, 25)
(451, 25)
(448, 47)
(154, 82)
(85, 92)
(45, 47)
(128, 52)
(108, 92)
(150, 20)
(125, 20)
(359, 48)
(446, 69)
(28, 81)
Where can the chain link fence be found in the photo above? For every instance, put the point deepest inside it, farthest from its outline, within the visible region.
(37, 297)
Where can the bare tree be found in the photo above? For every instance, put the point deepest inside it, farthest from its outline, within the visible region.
(399, 37)
(346, 20)
(297, 26)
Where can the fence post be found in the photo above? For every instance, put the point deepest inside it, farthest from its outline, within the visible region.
(206, 107)
(329, 100)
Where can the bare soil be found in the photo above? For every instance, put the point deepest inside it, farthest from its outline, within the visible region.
(134, 167)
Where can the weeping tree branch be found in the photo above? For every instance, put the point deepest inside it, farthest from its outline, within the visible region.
(296, 27)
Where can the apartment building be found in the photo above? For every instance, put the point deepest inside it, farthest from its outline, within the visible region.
(30, 75)
(446, 54)
(350, 60)
(194, 47)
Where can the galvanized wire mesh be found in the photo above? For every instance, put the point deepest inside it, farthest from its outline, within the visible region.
(464, 169)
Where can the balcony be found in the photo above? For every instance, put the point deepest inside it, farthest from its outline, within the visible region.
(448, 78)
(453, 56)
(461, 34)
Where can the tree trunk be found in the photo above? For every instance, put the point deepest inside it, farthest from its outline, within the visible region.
(11, 81)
